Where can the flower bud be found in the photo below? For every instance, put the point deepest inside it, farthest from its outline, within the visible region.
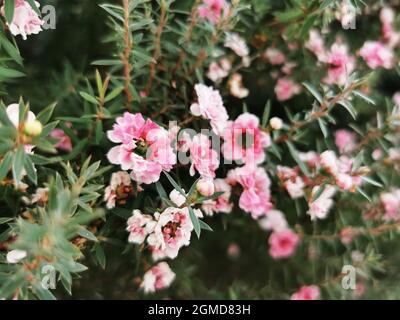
(15, 256)
(205, 187)
(276, 123)
(33, 128)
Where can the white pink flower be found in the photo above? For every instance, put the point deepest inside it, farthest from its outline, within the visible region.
(16, 255)
(222, 203)
(275, 220)
(307, 293)
(244, 141)
(319, 208)
(25, 21)
(255, 197)
(291, 181)
(13, 114)
(203, 158)
(139, 226)
(177, 198)
(274, 56)
(213, 10)
(376, 55)
(219, 70)
(316, 45)
(157, 278)
(345, 140)
(286, 88)
(145, 148)
(341, 64)
(283, 244)
(237, 44)
(391, 204)
(209, 105)
(172, 231)
(119, 189)
(236, 87)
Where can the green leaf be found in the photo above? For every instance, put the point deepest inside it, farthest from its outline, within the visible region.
(193, 187)
(18, 164)
(371, 181)
(100, 256)
(313, 91)
(195, 221)
(267, 111)
(205, 226)
(113, 94)
(364, 97)
(349, 107)
(45, 115)
(294, 154)
(87, 234)
(322, 125)
(10, 73)
(88, 97)
(175, 185)
(362, 192)
(30, 169)
(9, 10)
(5, 165)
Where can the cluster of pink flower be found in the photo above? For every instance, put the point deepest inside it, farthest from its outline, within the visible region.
(391, 204)
(25, 21)
(165, 233)
(145, 148)
(375, 53)
(327, 170)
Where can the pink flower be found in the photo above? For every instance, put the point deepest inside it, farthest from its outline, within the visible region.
(157, 278)
(219, 70)
(204, 159)
(391, 204)
(274, 56)
(64, 141)
(237, 44)
(25, 21)
(119, 189)
(213, 10)
(255, 197)
(319, 208)
(285, 89)
(377, 55)
(244, 141)
(222, 203)
(210, 106)
(329, 162)
(274, 220)
(145, 148)
(341, 64)
(316, 45)
(283, 244)
(138, 227)
(345, 140)
(377, 154)
(307, 293)
(291, 181)
(177, 198)
(172, 231)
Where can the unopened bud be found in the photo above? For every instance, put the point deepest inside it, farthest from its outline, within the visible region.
(205, 187)
(33, 128)
(276, 123)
